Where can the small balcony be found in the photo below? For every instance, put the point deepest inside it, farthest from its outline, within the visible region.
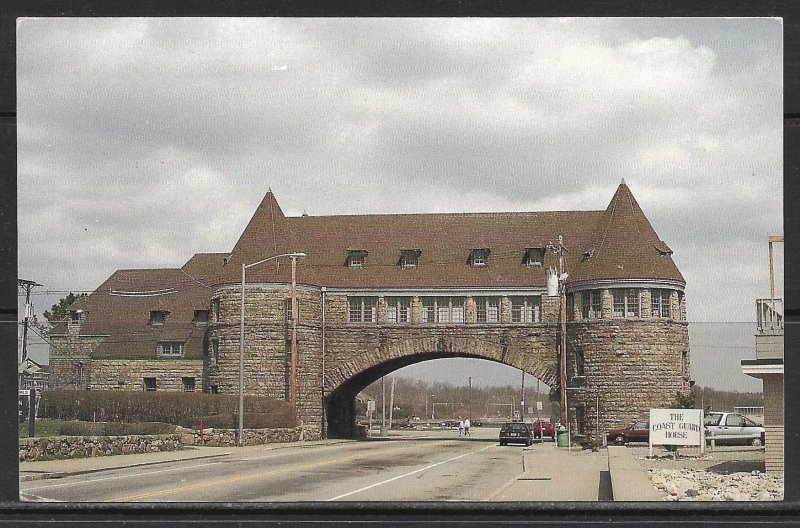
(769, 316)
(769, 339)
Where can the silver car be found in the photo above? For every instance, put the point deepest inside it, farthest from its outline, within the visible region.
(733, 428)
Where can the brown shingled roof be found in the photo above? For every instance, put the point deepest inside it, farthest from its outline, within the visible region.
(618, 243)
(625, 246)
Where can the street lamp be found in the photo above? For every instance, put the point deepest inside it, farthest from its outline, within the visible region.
(294, 257)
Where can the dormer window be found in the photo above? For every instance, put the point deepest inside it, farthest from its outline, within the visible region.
(158, 317)
(409, 257)
(356, 258)
(75, 315)
(200, 317)
(479, 257)
(533, 256)
(170, 349)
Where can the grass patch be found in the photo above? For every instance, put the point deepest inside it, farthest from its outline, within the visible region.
(44, 427)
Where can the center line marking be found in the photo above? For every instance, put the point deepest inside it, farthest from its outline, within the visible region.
(365, 488)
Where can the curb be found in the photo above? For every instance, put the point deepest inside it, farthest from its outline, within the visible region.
(42, 475)
(61, 474)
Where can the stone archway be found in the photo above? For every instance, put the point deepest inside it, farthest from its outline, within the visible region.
(530, 351)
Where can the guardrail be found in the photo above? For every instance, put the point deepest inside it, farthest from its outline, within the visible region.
(769, 315)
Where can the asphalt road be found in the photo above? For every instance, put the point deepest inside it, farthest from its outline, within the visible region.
(412, 466)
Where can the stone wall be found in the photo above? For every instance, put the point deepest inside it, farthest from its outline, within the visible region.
(129, 374)
(227, 437)
(633, 364)
(61, 447)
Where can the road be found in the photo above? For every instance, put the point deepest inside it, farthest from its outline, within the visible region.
(412, 466)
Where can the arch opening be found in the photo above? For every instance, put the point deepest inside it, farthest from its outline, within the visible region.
(340, 401)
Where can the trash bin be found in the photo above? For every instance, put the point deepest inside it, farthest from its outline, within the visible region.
(563, 437)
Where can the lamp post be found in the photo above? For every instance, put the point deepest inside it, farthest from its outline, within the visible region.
(294, 257)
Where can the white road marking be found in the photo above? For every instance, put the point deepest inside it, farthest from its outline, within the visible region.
(365, 488)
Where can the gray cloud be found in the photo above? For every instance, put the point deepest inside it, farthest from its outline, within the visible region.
(133, 132)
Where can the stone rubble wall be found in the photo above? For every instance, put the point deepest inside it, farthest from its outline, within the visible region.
(227, 437)
(63, 447)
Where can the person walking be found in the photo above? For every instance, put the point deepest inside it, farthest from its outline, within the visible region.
(460, 427)
(466, 427)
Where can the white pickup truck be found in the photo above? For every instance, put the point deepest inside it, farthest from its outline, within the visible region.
(733, 428)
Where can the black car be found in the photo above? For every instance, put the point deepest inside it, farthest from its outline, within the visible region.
(516, 433)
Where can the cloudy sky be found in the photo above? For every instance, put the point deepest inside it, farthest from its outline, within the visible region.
(144, 141)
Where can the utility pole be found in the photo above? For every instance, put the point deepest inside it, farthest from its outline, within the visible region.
(26, 285)
(391, 403)
(560, 249)
(383, 403)
(772, 239)
(522, 399)
(469, 402)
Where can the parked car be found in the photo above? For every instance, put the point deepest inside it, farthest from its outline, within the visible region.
(549, 429)
(638, 431)
(476, 423)
(733, 428)
(516, 433)
(450, 424)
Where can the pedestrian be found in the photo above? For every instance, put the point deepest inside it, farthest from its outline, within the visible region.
(460, 427)
(466, 427)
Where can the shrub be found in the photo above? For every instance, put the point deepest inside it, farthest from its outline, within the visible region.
(178, 408)
(252, 420)
(78, 428)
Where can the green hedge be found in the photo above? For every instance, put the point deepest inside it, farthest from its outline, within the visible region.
(76, 428)
(178, 408)
(251, 420)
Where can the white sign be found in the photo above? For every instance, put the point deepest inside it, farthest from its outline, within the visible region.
(24, 392)
(676, 427)
(538, 406)
(371, 405)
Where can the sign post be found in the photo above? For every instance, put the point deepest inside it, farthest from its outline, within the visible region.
(32, 414)
(676, 427)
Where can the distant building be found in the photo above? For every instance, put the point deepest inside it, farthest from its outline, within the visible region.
(380, 292)
(768, 367)
(32, 375)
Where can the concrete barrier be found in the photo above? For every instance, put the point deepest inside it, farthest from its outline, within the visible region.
(629, 481)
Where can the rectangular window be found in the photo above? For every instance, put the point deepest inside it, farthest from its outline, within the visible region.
(625, 303)
(479, 257)
(171, 348)
(398, 309)
(631, 303)
(679, 315)
(200, 317)
(596, 310)
(526, 309)
(409, 257)
(215, 312)
(149, 384)
(362, 309)
(356, 258)
(188, 384)
(660, 305)
(591, 304)
(158, 317)
(443, 309)
(214, 356)
(287, 304)
(214, 389)
(533, 256)
(487, 309)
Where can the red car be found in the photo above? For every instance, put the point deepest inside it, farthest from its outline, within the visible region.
(638, 431)
(549, 429)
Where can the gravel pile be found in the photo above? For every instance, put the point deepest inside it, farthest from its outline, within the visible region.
(724, 474)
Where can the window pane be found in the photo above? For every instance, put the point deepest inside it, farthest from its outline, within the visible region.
(619, 302)
(632, 303)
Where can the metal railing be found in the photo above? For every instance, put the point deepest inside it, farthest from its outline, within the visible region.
(769, 315)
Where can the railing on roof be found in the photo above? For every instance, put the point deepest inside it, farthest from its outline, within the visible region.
(769, 315)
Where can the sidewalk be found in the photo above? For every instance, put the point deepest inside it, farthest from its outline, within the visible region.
(77, 466)
(556, 474)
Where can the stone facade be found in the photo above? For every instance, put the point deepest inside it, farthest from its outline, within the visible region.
(622, 358)
(61, 447)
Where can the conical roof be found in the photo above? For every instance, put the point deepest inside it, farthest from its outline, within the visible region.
(624, 246)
